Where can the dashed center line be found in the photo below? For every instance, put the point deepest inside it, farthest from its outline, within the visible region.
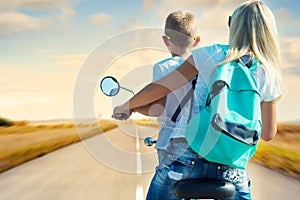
(139, 193)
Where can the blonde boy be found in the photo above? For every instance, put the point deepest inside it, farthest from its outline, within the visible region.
(180, 38)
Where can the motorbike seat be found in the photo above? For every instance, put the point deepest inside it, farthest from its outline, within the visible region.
(204, 188)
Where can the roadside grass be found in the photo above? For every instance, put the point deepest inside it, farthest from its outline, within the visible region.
(18, 155)
(20, 144)
(25, 141)
(283, 152)
(33, 127)
(278, 158)
(146, 122)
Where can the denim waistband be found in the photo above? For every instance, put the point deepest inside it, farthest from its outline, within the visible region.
(178, 140)
(181, 146)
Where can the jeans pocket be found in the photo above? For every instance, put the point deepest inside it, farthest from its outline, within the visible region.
(238, 177)
(180, 167)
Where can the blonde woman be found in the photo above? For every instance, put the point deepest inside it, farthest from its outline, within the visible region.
(253, 31)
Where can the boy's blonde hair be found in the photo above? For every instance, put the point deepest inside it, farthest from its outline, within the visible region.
(253, 30)
(181, 28)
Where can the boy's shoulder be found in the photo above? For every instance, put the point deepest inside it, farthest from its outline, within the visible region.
(167, 65)
(213, 48)
(212, 51)
(170, 62)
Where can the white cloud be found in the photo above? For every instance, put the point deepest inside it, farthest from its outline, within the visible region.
(213, 26)
(69, 60)
(41, 99)
(290, 48)
(36, 106)
(45, 5)
(31, 4)
(20, 98)
(288, 25)
(100, 19)
(148, 4)
(27, 94)
(168, 6)
(212, 16)
(11, 102)
(13, 22)
(288, 104)
(131, 24)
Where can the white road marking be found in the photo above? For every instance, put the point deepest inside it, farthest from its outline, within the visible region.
(137, 141)
(138, 155)
(139, 192)
(138, 163)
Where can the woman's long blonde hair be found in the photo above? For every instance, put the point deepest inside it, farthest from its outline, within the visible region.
(253, 30)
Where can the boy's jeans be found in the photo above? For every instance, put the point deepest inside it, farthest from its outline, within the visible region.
(180, 162)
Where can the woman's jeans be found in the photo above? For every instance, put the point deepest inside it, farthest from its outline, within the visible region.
(181, 162)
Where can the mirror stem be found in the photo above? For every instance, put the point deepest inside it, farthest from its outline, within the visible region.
(127, 90)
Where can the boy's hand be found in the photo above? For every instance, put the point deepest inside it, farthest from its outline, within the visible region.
(121, 113)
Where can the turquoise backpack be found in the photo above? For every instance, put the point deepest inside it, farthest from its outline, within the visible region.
(227, 129)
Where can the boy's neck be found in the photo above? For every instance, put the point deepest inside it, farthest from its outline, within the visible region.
(183, 53)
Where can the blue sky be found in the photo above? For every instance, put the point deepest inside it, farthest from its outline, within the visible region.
(43, 44)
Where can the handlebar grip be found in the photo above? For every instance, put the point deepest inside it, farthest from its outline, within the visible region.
(119, 116)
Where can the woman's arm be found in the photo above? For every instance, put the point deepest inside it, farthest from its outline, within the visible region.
(154, 109)
(160, 88)
(269, 120)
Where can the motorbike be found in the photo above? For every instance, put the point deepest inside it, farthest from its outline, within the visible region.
(196, 188)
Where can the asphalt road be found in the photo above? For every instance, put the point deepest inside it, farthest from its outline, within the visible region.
(114, 165)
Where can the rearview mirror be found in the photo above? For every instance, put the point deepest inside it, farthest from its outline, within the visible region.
(110, 86)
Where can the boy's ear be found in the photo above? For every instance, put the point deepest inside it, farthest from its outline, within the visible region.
(196, 41)
(166, 40)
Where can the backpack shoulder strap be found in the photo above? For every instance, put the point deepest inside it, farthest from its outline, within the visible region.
(240, 69)
(224, 47)
(185, 100)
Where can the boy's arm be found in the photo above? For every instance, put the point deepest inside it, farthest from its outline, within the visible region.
(160, 88)
(153, 109)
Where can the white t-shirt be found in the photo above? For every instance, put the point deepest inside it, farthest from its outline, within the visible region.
(160, 70)
(206, 60)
